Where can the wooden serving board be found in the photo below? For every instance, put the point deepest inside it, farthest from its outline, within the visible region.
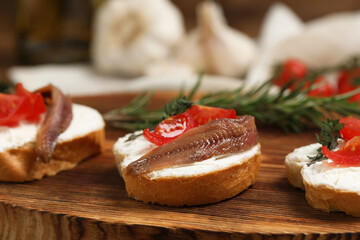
(90, 202)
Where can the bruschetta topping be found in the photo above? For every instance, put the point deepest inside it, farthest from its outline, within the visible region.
(217, 137)
(57, 119)
(174, 126)
(348, 154)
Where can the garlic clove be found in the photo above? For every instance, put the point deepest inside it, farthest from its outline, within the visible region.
(323, 42)
(131, 34)
(216, 48)
(280, 23)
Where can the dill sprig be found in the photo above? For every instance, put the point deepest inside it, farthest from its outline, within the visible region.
(288, 110)
(329, 135)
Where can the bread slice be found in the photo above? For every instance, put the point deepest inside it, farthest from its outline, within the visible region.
(296, 160)
(333, 188)
(208, 181)
(327, 188)
(84, 137)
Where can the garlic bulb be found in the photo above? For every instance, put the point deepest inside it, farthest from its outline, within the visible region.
(279, 25)
(216, 48)
(130, 34)
(320, 43)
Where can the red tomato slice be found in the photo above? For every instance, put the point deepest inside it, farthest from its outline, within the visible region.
(155, 138)
(36, 101)
(21, 91)
(13, 109)
(351, 128)
(170, 128)
(346, 83)
(174, 126)
(346, 80)
(38, 107)
(296, 69)
(204, 114)
(355, 98)
(22, 106)
(324, 90)
(348, 155)
(292, 68)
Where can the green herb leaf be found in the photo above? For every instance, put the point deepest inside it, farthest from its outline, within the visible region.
(133, 136)
(177, 106)
(182, 103)
(135, 115)
(291, 111)
(329, 135)
(356, 81)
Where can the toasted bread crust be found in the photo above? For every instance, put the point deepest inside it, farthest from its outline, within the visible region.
(21, 164)
(207, 188)
(293, 173)
(329, 199)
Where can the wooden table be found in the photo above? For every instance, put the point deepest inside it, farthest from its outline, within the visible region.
(90, 202)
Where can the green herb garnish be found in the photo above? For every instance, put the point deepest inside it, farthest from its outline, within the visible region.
(135, 116)
(329, 135)
(133, 136)
(288, 110)
(177, 106)
(356, 81)
(182, 103)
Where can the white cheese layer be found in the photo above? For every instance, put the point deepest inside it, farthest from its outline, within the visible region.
(340, 178)
(299, 157)
(320, 174)
(85, 120)
(127, 151)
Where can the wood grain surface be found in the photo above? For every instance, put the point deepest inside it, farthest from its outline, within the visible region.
(90, 202)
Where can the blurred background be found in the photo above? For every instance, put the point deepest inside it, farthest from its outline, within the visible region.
(60, 30)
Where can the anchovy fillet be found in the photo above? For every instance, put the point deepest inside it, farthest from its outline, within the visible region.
(218, 137)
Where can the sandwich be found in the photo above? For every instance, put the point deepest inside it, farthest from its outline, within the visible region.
(203, 155)
(329, 171)
(43, 133)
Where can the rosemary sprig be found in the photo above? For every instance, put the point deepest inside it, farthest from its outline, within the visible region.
(177, 106)
(288, 110)
(182, 103)
(135, 116)
(329, 135)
